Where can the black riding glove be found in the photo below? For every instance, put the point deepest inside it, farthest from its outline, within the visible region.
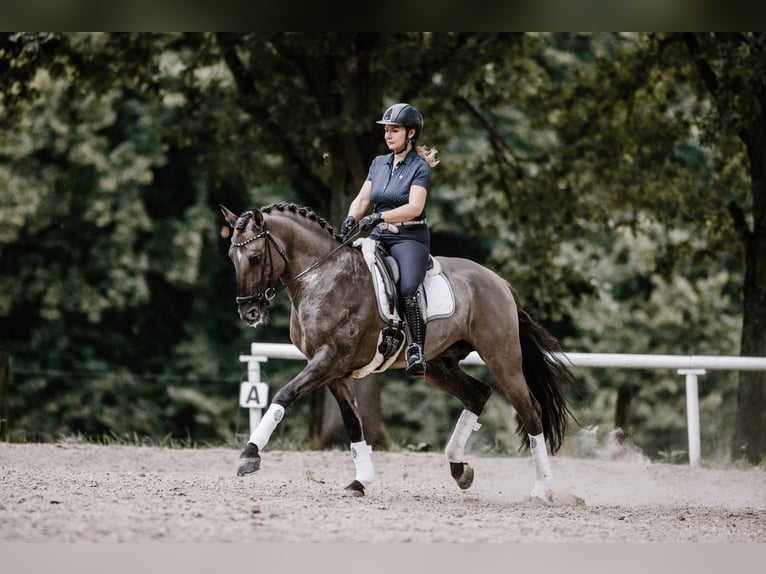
(370, 221)
(347, 226)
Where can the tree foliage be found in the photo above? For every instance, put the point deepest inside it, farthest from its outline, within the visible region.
(617, 180)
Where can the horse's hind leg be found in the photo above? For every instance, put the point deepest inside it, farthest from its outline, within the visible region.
(506, 367)
(444, 372)
(361, 452)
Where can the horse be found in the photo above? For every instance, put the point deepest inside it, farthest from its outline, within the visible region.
(335, 323)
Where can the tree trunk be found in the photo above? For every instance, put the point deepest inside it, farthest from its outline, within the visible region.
(750, 424)
(316, 415)
(625, 396)
(349, 161)
(369, 401)
(5, 391)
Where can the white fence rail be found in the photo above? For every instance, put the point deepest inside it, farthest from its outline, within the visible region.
(690, 366)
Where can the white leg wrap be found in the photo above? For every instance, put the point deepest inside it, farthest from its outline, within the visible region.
(466, 424)
(361, 452)
(268, 423)
(543, 474)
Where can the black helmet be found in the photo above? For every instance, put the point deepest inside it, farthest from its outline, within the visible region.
(403, 115)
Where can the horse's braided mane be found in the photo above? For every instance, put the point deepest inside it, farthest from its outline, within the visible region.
(302, 211)
(243, 220)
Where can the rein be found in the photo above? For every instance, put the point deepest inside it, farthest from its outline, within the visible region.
(270, 292)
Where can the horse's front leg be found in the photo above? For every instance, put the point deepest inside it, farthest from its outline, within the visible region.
(361, 452)
(321, 369)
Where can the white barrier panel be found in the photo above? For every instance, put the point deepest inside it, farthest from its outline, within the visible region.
(688, 365)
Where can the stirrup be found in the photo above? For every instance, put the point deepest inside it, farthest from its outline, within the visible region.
(416, 363)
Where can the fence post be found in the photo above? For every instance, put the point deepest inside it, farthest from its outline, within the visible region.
(5, 393)
(693, 413)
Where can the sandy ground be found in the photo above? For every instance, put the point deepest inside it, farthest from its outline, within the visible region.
(91, 493)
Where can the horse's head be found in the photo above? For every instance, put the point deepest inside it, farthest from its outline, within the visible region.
(256, 267)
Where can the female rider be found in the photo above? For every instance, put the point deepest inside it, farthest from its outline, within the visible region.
(396, 186)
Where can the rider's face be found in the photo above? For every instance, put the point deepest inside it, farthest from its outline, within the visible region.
(395, 136)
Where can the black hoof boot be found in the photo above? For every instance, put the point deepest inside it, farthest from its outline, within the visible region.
(249, 460)
(356, 488)
(462, 473)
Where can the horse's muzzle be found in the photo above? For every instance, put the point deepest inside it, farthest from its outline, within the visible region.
(253, 312)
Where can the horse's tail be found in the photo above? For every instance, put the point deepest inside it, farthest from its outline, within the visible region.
(544, 374)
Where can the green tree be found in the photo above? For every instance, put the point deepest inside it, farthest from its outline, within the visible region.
(110, 253)
(343, 81)
(681, 117)
(629, 126)
(605, 129)
(558, 151)
(730, 67)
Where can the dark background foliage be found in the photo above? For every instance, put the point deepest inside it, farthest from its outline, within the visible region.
(617, 180)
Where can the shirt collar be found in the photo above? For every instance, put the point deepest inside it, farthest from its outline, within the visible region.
(407, 159)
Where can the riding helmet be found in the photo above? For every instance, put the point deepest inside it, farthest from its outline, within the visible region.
(403, 114)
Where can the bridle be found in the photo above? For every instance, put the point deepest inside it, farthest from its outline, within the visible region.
(269, 293)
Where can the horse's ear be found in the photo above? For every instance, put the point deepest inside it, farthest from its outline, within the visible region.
(231, 218)
(257, 218)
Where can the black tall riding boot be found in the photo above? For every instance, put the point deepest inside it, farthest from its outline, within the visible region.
(416, 326)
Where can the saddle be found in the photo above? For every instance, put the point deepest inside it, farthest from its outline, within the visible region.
(435, 291)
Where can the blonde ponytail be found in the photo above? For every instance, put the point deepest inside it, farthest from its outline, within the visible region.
(428, 154)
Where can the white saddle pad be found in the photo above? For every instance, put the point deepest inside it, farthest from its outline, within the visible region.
(439, 295)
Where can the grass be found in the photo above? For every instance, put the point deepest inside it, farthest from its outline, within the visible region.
(123, 439)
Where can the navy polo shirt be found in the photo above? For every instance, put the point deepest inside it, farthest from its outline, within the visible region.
(393, 190)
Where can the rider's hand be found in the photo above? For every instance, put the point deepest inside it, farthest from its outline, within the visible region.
(370, 221)
(347, 226)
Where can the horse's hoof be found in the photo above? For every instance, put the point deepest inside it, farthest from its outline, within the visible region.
(462, 473)
(564, 498)
(248, 466)
(541, 498)
(249, 460)
(356, 488)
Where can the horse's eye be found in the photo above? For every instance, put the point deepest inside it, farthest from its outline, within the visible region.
(255, 258)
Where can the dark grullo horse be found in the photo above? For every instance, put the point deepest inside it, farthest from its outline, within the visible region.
(335, 323)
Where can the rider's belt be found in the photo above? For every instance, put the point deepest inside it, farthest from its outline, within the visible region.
(394, 227)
